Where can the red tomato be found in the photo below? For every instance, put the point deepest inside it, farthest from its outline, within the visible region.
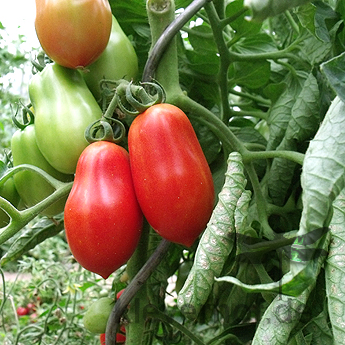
(73, 33)
(172, 179)
(120, 338)
(103, 219)
(21, 311)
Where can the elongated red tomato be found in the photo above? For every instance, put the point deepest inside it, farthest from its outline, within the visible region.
(172, 179)
(103, 219)
(73, 33)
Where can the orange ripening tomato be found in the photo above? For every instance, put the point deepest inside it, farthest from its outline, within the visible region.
(73, 33)
(102, 216)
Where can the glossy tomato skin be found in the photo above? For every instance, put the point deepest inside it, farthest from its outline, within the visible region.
(96, 317)
(103, 219)
(64, 107)
(32, 187)
(118, 61)
(73, 33)
(172, 179)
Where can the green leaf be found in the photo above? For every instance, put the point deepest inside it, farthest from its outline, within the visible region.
(207, 64)
(334, 270)
(241, 25)
(216, 243)
(303, 123)
(280, 319)
(257, 44)
(325, 18)
(31, 237)
(335, 73)
(201, 39)
(252, 75)
(280, 112)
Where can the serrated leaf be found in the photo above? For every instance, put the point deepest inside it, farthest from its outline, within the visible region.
(31, 237)
(335, 73)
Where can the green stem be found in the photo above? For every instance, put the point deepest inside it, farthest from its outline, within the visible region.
(20, 218)
(225, 60)
(260, 201)
(257, 99)
(157, 314)
(292, 22)
(296, 157)
(258, 114)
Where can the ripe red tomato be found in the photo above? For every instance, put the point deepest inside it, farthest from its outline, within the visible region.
(172, 179)
(120, 338)
(73, 33)
(103, 219)
(21, 311)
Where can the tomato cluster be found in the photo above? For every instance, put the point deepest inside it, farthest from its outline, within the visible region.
(164, 175)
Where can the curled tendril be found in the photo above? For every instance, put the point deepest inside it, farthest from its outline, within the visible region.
(135, 99)
(27, 116)
(105, 129)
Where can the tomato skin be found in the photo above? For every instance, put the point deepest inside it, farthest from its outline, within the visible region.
(172, 179)
(64, 107)
(118, 61)
(32, 187)
(103, 219)
(120, 338)
(73, 33)
(21, 311)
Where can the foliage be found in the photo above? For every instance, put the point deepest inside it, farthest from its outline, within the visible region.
(266, 100)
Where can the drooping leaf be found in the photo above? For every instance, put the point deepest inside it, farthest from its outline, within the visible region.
(335, 73)
(216, 243)
(303, 123)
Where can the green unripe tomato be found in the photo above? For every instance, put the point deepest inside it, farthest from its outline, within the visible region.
(118, 61)
(96, 318)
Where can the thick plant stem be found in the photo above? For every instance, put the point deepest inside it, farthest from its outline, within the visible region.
(161, 13)
(136, 327)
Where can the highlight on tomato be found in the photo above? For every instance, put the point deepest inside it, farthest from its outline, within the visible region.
(73, 33)
(171, 177)
(102, 216)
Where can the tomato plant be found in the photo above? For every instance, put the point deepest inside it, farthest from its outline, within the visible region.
(73, 33)
(238, 172)
(172, 179)
(102, 217)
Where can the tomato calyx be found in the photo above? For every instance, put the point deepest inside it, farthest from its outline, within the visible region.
(27, 116)
(105, 129)
(135, 99)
